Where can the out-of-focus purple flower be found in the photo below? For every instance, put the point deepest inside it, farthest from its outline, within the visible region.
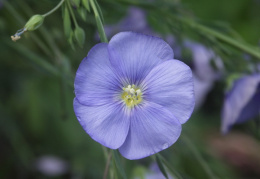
(242, 102)
(135, 20)
(202, 57)
(51, 166)
(201, 89)
(204, 74)
(132, 95)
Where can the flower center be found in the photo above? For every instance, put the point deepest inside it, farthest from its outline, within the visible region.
(131, 96)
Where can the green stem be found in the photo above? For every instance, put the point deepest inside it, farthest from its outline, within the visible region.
(72, 14)
(101, 30)
(199, 157)
(107, 165)
(54, 9)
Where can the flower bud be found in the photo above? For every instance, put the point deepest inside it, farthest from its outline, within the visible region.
(80, 36)
(34, 22)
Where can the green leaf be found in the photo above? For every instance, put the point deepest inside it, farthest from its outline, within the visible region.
(119, 164)
(80, 36)
(67, 22)
(83, 13)
(86, 5)
(161, 167)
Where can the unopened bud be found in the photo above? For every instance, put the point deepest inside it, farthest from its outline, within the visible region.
(34, 22)
(80, 36)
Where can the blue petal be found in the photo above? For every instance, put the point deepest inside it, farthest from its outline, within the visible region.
(242, 102)
(152, 129)
(95, 81)
(107, 124)
(134, 55)
(170, 84)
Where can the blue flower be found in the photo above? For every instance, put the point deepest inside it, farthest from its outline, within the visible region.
(242, 102)
(132, 95)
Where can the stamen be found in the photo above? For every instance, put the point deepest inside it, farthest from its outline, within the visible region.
(18, 34)
(132, 95)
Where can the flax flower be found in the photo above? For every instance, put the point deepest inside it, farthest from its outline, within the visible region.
(132, 95)
(242, 102)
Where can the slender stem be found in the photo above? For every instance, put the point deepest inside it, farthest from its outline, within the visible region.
(72, 14)
(199, 157)
(54, 9)
(101, 30)
(107, 165)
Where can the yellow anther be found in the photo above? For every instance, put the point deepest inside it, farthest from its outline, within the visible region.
(131, 96)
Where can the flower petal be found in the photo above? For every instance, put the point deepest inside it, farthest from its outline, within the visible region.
(170, 84)
(152, 129)
(133, 55)
(107, 124)
(242, 102)
(95, 82)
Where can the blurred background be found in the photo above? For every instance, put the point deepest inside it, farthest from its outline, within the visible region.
(40, 136)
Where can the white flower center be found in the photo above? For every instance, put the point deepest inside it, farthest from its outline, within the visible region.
(131, 95)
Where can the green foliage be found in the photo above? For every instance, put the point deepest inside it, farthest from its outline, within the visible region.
(34, 22)
(119, 165)
(161, 167)
(37, 72)
(80, 36)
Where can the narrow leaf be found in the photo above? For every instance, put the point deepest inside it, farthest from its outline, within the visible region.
(168, 165)
(161, 167)
(119, 164)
